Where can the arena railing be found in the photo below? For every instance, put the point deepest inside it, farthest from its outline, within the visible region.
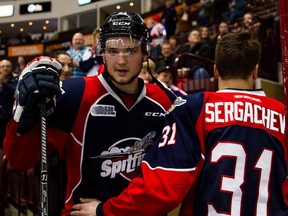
(200, 75)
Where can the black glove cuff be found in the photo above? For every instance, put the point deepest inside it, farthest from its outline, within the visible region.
(99, 210)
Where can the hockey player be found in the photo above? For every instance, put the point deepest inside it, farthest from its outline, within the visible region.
(112, 118)
(221, 153)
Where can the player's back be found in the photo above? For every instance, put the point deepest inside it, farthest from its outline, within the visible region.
(243, 143)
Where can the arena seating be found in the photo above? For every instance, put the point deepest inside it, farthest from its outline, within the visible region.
(201, 77)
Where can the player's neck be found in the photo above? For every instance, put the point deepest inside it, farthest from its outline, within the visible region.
(129, 88)
(235, 83)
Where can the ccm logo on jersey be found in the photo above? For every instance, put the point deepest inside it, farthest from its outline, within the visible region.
(155, 114)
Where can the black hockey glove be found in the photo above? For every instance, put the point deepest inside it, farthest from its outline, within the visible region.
(38, 80)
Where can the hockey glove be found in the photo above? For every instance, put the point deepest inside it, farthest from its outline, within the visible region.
(39, 79)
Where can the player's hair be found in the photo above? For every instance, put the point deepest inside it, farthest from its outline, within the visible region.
(236, 55)
(127, 25)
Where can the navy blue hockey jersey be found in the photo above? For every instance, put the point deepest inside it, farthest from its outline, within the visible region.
(102, 140)
(221, 153)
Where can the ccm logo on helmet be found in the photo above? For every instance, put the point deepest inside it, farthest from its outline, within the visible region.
(121, 23)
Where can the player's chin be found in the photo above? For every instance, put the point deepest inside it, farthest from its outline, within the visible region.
(124, 80)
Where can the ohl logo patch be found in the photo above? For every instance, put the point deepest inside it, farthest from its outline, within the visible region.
(103, 110)
(125, 156)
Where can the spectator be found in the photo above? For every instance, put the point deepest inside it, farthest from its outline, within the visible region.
(249, 24)
(21, 64)
(204, 34)
(7, 90)
(67, 64)
(236, 10)
(219, 7)
(145, 74)
(158, 31)
(206, 39)
(166, 57)
(169, 18)
(192, 68)
(166, 76)
(91, 61)
(204, 12)
(76, 51)
(176, 45)
(223, 29)
(158, 34)
(185, 19)
(195, 45)
(218, 153)
(88, 109)
(10, 78)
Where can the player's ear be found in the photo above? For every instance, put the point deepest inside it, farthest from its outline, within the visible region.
(255, 72)
(215, 70)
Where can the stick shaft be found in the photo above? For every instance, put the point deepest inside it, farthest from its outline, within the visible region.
(44, 166)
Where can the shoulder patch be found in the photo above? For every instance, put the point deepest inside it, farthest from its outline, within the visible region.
(178, 102)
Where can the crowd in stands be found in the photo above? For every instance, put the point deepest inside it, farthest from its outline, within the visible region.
(178, 18)
(199, 25)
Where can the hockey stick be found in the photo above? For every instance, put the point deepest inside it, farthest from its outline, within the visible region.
(44, 166)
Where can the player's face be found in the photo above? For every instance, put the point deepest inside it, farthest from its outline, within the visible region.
(123, 58)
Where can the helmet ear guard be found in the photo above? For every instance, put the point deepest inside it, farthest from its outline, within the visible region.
(126, 25)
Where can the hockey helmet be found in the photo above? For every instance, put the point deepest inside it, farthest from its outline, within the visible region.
(127, 25)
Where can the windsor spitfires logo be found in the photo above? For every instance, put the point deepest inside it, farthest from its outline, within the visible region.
(125, 157)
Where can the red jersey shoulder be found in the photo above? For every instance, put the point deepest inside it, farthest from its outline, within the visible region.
(156, 93)
(93, 88)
